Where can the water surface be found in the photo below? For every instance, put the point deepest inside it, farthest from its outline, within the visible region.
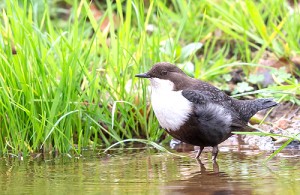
(146, 171)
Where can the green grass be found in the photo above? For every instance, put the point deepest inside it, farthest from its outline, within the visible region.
(71, 85)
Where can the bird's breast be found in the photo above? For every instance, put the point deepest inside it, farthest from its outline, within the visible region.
(171, 109)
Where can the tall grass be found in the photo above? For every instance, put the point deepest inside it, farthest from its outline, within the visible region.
(71, 85)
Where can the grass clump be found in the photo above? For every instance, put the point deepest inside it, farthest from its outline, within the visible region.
(67, 74)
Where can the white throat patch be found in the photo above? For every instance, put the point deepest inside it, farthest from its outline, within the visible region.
(170, 107)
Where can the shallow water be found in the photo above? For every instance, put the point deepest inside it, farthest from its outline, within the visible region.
(144, 171)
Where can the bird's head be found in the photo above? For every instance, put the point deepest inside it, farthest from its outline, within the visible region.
(164, 75)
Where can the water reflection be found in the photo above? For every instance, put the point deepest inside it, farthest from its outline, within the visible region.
(208, 179)
(239, 173)
(145, 171)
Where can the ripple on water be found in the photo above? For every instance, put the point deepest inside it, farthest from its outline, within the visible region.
(144, 172)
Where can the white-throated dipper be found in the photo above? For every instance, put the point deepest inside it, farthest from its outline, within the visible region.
(196, 112)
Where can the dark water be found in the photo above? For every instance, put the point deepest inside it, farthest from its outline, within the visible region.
(140, 171)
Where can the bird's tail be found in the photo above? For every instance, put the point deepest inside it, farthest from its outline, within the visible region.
(264, 103)
(248, 108)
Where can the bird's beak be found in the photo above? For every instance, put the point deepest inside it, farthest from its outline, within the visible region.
(143, 75)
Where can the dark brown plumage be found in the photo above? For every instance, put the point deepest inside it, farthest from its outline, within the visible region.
(196, 112)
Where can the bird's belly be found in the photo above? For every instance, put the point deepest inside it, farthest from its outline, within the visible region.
(171, 109)
(200, 136)
(209, 127)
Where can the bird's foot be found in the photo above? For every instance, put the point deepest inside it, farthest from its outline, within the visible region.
(215, 167)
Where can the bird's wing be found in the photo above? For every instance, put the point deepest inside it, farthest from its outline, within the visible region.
(202, 98)
(195, 96)
(217, 96)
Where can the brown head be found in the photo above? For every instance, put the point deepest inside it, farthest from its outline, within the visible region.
(164, 71)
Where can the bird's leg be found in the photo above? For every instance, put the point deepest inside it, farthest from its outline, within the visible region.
(199, 152)
(215, 167)
(215, 153)
(201, 165)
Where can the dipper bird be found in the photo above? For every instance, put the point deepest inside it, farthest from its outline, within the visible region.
(196, 112)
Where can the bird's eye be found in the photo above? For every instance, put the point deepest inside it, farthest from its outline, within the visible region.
(164, 72)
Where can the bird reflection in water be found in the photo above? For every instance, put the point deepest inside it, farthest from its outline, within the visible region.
(206, 180)
(203, 168)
